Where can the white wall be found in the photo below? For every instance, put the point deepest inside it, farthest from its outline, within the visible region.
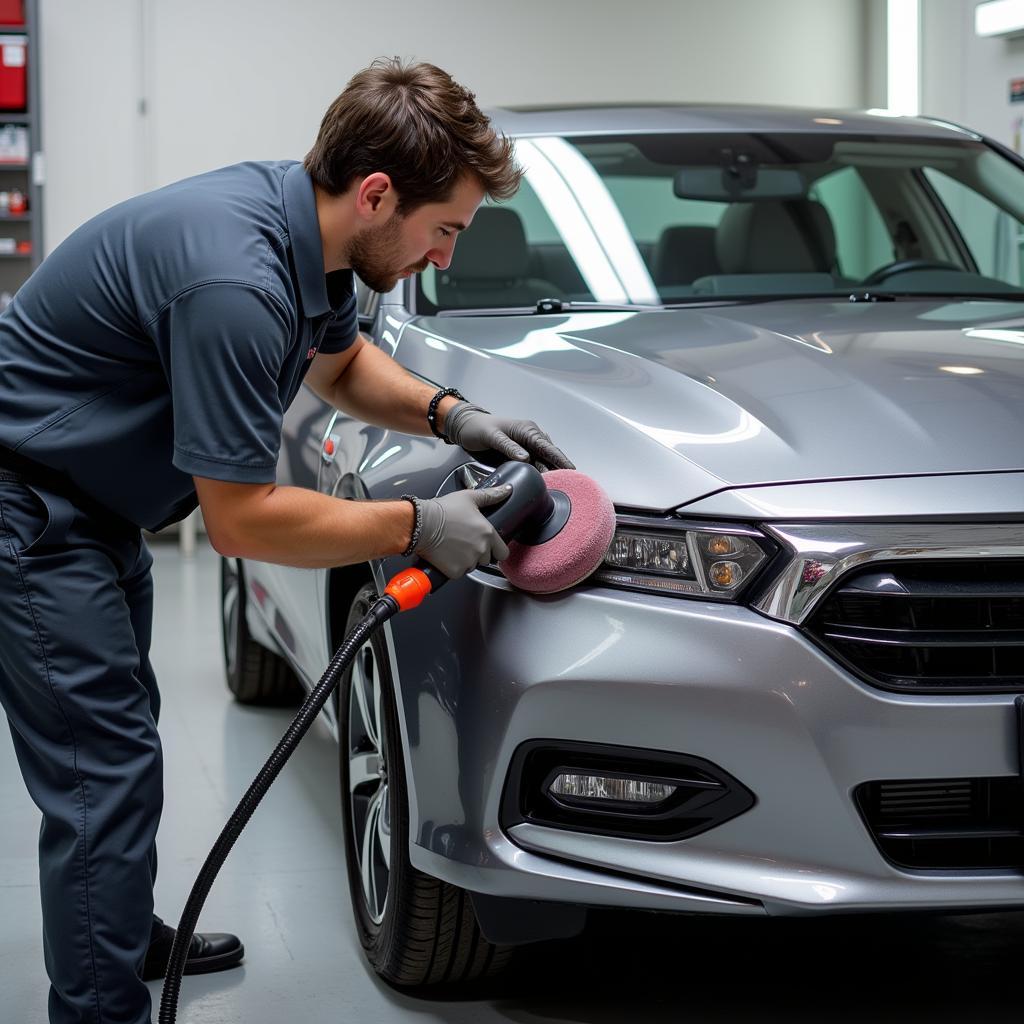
(966, 78)
(227, 80)
(89, 72)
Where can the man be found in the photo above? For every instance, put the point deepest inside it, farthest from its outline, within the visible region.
(147, 365)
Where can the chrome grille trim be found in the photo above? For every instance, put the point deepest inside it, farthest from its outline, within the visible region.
(821, 554)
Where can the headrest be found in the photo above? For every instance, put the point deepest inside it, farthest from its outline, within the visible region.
(758, 238)
(493, 248)
(682, 254)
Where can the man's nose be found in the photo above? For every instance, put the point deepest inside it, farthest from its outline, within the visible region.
(441, 256)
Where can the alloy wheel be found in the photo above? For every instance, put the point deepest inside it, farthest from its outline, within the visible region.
(368, 782)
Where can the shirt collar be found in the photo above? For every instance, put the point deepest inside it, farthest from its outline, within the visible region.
(307, 247)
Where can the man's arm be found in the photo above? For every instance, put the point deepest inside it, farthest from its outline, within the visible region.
(295, 526)
(370, 386)
(300, 527)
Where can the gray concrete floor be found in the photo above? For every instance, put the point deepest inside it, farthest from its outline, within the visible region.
(283, 890)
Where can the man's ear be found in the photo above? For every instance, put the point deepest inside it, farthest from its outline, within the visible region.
(375, 196)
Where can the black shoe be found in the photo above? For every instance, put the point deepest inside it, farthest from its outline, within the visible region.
(207, 952)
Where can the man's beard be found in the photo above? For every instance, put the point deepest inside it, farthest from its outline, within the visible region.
(371, 252)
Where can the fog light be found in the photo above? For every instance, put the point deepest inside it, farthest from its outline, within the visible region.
(606, 787)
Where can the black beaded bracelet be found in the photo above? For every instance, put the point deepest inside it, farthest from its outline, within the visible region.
(432, 411)
(417, 524)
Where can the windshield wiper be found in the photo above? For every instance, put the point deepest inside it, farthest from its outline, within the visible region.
(567, 306)
(1012, 296)
(554, 306)
(748, 300)
(840, 296)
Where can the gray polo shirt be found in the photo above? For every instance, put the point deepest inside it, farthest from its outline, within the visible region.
(166, 337)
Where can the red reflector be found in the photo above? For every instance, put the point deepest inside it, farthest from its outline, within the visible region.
(329, 446)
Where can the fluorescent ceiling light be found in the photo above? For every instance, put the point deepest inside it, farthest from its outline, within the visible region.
(999, 18)
(903, 50)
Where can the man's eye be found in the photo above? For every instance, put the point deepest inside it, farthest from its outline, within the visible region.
(445, 232)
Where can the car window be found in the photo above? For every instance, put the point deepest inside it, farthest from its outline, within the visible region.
(686, 216)
(992, 235)
(863, 242)
(648, 204)
(541, 238)
(537, 225)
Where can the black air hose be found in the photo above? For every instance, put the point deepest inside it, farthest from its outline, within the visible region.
(382, 610)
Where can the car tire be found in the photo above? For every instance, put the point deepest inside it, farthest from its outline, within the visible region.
(255, 674)
(416, 930)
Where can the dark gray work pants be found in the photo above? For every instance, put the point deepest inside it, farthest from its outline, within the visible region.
(76, 609)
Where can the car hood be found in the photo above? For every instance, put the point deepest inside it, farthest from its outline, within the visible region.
(664, 407)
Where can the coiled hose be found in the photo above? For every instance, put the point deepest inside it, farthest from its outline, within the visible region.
(382, 610)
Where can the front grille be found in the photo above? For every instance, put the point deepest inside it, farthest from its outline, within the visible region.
(946, 823)
(929, 627)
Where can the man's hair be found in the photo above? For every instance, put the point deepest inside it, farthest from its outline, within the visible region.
(416, 124)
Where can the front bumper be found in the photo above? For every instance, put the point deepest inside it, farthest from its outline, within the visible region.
(716, 681)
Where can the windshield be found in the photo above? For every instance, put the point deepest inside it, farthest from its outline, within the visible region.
(688, 217)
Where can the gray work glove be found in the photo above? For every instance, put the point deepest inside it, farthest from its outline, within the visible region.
(476, 430)
(455, 535)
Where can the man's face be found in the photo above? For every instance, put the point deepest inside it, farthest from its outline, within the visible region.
(401, 246)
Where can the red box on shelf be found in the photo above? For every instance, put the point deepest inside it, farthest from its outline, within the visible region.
(12, 12)
(12, 72)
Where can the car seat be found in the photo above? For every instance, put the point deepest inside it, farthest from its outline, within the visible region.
(776, 238)
(490, 265)
(682, 254)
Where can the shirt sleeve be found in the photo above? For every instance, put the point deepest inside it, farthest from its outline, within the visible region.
(343, 329)
(223, 346)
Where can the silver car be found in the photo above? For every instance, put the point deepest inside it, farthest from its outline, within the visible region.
(790, 345)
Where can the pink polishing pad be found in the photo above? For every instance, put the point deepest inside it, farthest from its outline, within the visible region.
(578, 548)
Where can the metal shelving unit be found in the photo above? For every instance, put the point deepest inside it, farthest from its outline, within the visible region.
(27, 176)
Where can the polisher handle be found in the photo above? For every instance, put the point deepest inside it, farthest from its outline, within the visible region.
(529, 503)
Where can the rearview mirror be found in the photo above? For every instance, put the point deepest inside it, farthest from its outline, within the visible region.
(726, 185)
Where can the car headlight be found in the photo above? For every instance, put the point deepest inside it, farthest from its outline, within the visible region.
(707, 562)
(667, 555)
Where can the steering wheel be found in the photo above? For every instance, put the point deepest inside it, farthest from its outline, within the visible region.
(883, 274)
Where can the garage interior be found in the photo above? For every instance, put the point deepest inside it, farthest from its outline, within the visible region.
(100, 102)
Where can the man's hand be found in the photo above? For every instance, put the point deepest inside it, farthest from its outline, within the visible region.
(522, 440)
(456, 536)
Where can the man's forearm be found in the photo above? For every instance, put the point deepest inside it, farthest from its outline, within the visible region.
(300, 527)
(375, 389)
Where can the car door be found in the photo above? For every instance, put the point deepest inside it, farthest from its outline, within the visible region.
(287, 596)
